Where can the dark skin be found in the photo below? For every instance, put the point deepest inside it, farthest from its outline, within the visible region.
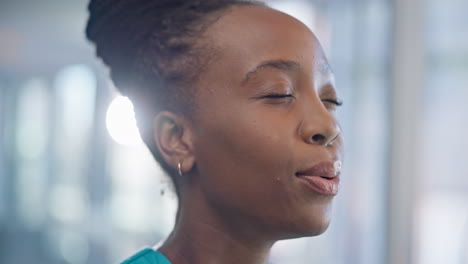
(264, 110)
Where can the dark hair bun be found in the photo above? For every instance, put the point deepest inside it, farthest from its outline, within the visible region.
(118, 28)
(128, 32)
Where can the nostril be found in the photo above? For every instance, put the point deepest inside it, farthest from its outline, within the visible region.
(318, 138)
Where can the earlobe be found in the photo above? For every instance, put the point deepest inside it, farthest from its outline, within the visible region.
(173, 138)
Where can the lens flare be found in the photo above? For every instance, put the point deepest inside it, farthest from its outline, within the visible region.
(121, 123)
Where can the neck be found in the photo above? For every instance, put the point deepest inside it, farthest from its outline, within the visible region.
(203, 237)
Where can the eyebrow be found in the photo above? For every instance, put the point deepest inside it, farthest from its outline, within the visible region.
(280, 64)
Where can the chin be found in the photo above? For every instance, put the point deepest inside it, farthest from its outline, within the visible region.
(309, 228)
(314, 222)
(317, 228)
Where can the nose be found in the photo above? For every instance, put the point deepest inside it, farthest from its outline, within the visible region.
(323, 139)
(320, 127)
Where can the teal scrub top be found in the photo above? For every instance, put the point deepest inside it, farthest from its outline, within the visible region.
(147, 256)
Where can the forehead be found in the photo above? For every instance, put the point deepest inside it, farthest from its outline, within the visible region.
(248, 35)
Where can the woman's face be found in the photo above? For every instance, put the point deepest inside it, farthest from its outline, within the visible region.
(265, 113)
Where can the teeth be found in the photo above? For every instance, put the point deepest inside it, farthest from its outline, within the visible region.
(337, 165)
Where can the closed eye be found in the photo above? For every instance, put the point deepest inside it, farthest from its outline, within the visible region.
(333, 101)
(278, 96)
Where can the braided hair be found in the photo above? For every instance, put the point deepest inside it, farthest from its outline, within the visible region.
(153, 51)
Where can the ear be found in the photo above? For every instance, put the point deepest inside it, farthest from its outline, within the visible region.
(174, 140)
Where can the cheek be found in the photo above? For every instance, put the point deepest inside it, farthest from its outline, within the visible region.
(244, 160)
(246, 163)
(244, 149)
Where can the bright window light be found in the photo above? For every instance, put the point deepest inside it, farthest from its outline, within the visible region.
(121, 123)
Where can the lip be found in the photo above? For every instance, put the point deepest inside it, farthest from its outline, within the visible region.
(322, 178)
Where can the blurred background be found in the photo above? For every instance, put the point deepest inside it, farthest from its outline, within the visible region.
(77, 186)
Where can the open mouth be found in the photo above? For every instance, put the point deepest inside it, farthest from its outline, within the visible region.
(322, 185)
(322, 178)
(325, 170)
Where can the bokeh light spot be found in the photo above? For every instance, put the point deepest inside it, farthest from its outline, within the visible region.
(121, 123)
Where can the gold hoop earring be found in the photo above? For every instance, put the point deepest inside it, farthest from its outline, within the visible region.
(180, 169)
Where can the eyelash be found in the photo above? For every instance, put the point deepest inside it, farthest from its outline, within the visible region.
(335, 102)
(332, 101)
(279, 96)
